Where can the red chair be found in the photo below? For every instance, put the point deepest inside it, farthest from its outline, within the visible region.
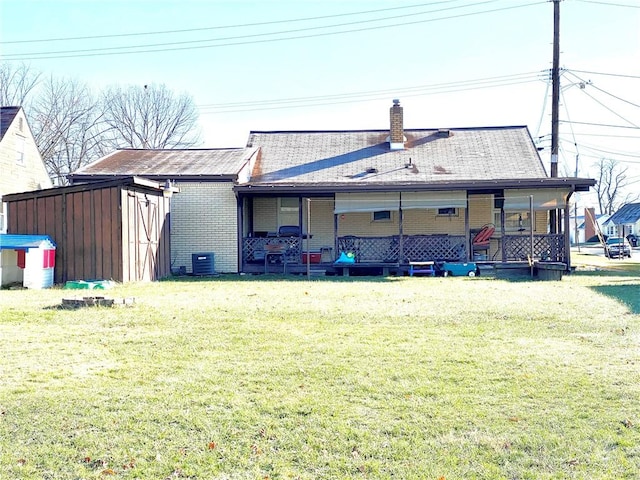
(482, 241)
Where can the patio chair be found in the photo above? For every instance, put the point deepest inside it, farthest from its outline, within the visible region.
(482, 240)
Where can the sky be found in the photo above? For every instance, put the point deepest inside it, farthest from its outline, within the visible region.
(337, 65)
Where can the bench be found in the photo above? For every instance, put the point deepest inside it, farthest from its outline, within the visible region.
(346, 267)
(425, 268)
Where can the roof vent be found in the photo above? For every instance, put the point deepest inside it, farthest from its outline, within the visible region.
(444, 133)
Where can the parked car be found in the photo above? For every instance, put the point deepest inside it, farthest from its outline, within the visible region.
(617, 247)
(633, 239)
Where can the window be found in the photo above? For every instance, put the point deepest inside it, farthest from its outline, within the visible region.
(449, 211)
(381, 216)
(20, 149)
(289, 204)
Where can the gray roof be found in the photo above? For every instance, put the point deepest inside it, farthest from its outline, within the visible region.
(627, 214)
(364, 157)
(7, 114)
(213, 162)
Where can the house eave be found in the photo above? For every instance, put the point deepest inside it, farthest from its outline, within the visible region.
(571, 183)
(85, 178)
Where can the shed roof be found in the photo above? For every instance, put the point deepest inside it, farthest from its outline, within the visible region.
(7, 114)
(212, 162)
(627, 214)
(24, 242)
(122, 182)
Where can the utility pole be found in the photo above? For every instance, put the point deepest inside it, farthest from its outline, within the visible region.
(555, 101)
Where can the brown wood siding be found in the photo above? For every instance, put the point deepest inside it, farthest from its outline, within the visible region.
(91, 230)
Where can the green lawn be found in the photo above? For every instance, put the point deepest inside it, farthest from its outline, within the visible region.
(282, 378)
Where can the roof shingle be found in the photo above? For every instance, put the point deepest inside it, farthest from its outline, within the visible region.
(349, 157)
(169, 163)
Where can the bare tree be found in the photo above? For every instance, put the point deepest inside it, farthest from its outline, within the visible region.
(610, 186)
(68, 126)
(16, 83)
(151, 116)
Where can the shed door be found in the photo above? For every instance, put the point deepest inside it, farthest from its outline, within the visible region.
(147, 237)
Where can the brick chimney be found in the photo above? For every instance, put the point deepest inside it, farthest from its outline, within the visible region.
(396, 137)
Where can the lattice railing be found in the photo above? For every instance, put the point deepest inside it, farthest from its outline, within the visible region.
(545, 247)
(420, 248)
(414, 248)
(254, 249)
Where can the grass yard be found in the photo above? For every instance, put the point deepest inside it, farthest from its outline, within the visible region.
(281, 378)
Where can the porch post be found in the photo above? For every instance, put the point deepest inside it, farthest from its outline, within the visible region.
(503, 233)
(335, 233)
(240, 230)
(567, 240)
(400, 231)
(467, 231)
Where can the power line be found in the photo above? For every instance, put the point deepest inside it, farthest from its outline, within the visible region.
(319, 103)
(109, 51)
(223, 27)
(600, 125)
(610, 110)
(519, 77)
(606, 136)
(585, 82)
(607, 74)
(609, 4)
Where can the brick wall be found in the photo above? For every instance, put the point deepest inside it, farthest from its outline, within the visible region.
(204, 219)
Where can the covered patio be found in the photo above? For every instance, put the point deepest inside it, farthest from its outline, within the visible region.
(386, 231)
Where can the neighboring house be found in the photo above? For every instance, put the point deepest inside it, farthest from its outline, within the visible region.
(625, 221)
(204, 214)
(389, 197)
(21, 166)
(587, 230)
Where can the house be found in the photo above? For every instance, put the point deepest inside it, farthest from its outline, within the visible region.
(400, 195)
(21, 165)
(625, 221)
(588, 226)
(204, 215)
(386, 197)
(116, 229)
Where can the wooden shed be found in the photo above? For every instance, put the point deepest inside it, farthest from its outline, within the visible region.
(113, 230)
